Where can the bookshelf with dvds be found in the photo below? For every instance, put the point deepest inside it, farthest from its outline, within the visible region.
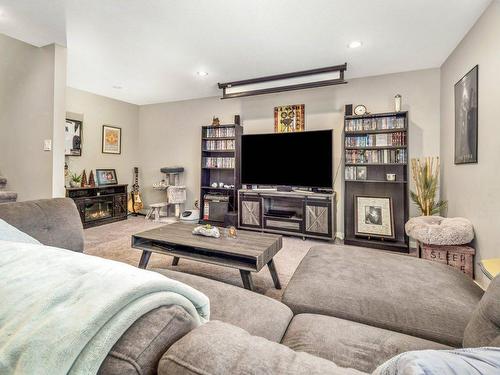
(376, 145)
(220, 163)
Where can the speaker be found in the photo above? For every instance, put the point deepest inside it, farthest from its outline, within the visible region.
(348, 109)
(215, 207)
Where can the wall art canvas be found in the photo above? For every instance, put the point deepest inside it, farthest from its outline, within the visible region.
(106, 177)
(111, 140)
(289, 118)
(73, 138)
(374, 217)
(466, 118)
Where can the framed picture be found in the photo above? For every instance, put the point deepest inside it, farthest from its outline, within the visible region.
(466, 117)
(73, 138)
(374, 217)
(106, 177)
(361, 173)
(111, 140)
(289, 118)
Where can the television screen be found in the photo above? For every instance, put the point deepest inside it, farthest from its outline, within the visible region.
(302, 159)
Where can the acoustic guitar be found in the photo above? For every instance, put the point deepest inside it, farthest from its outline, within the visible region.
(135, 200)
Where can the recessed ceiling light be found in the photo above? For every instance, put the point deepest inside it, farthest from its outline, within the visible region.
(202, 74)
(117, 87)
(355, 44)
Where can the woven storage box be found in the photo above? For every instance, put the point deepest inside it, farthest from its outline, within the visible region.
(460, 257)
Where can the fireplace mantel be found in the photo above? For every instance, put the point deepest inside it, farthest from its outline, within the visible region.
(100, 205)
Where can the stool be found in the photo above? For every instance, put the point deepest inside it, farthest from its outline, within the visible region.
(444, 240)
(155, 210)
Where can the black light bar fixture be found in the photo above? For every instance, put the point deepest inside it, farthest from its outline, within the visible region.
(306, 79)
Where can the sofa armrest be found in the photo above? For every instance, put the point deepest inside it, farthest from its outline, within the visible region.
(53, 222)
(221, 348)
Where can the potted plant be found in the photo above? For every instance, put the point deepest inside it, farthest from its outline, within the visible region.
(75, 180)
(425, 174)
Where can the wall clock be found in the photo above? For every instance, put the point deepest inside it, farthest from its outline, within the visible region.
(360, 110)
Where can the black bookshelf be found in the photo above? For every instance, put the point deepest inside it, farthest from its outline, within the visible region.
(220, 162)
(379, 143)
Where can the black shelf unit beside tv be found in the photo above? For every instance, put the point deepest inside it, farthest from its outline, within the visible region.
(221, 142)
(360, 149)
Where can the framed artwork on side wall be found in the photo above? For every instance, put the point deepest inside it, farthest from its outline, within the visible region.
(73, 138)
(466, 118)
(111, 140)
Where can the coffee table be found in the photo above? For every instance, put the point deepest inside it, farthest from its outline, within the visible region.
(249, 252)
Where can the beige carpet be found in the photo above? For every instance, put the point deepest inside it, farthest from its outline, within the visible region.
(112, 241)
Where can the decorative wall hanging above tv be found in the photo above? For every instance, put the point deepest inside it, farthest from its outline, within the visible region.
(306, 79)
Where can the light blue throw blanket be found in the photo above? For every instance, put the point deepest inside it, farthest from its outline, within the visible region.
(61, 312)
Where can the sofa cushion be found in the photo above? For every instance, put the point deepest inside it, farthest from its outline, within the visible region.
(349, 344)
(401, 293)
(53, 222)
(484, 327)
(140, 348)
(11, 233)
(257, 314)
(223, 349)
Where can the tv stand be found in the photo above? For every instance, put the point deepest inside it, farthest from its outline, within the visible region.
(297, 213)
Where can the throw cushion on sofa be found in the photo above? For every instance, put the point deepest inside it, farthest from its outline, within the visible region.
(480, 361)
(11, 233)
(483, 328)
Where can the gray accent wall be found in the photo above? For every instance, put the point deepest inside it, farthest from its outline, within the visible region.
(170, 132)
(95, 111)
(32, 85)
(473, 190)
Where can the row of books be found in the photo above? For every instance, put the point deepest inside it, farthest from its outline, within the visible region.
(379, 123)
(218, 162)
(376, 140)
(398, 156)
(226, 144)
(219, 132)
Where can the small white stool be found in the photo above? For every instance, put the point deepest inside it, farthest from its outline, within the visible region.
(155, 210)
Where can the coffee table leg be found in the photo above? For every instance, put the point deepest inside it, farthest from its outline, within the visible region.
(274, 274)
(143, 263)
(246, 276)
(175, 261)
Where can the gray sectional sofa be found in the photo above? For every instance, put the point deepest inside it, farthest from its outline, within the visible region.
(345, 311)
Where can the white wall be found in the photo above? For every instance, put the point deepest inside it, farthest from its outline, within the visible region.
(31, 110)
(170, 132)
(472, 190)
(96, 111)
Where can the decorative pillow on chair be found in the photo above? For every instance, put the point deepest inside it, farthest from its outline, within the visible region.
(472, 361)
(11, 233)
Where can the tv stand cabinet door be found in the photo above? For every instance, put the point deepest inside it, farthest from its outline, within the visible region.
(250, 211)
(318, 218)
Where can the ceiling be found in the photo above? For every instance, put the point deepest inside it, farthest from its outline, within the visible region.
(148, 51)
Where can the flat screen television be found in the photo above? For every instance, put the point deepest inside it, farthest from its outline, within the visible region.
(302, 159)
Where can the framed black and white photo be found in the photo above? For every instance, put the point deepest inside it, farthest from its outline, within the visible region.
(374, 217)
(106, 177)
(361, 173)
(466, 118)
(111, 140)
(73, 138)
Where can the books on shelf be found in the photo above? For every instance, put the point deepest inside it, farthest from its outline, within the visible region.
(220, 132)
(376, 140)
(378, 123)
(396, 156)
(218, 162)
(221, 145)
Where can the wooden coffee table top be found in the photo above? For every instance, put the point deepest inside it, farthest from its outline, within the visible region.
(257, 248)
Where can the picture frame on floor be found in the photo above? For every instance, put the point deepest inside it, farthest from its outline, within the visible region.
(374, 217)
(111, 140)
(106, 177)
(466, 118)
